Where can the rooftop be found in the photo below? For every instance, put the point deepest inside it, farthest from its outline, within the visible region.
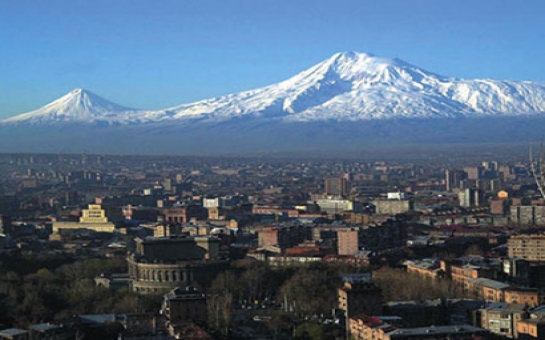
(13, 331)
(42, 327)
(502, 307)
(358, 277)
(437, 330)
(489, 283)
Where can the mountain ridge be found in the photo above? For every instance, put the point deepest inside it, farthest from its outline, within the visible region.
(348, 86)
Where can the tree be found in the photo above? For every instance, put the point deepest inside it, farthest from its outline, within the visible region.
(398, 285)
(474, 249)
(220, 311)
(310, 292)
(309, 331)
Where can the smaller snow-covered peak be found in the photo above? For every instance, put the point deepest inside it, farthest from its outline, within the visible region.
(78, 105)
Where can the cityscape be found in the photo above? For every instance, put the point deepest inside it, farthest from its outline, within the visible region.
(272, 170)
(102, 246)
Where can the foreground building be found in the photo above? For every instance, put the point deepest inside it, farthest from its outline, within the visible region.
(502, 318)
(183, 305)
(162, 264)
(358, 295)
(365, 327)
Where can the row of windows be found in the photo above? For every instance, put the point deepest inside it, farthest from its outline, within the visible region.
(160, 276)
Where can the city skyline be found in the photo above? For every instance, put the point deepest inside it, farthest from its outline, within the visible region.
(150, 56)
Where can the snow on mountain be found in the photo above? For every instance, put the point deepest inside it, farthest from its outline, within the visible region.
(77, 106)
(348, 86)
(357, 86)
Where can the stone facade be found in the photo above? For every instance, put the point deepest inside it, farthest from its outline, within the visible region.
(161, 264)
(527, 247)
(93, 218)
(392, 207)
(528, 214)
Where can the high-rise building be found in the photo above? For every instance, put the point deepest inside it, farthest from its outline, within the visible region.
(167, 185)
(492, 165)
(499, 206)
(506, 173)
(527, 214)
(527, 247)
(474, 172)
(495, 184)
(336, 186)
(453, 179)
(470, 198)
(347, 242)
(179, 179)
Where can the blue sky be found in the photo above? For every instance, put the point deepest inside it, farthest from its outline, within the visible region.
(156, 54)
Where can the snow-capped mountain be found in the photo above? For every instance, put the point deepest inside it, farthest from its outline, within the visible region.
(357, 86)
(77, 106)
(346, 87)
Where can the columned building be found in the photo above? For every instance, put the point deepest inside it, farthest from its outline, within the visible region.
(92, 218)
(162, 264)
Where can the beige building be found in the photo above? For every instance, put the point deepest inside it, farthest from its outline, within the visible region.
(336, 186)
(533, 329)
(92, 218)
(363, 327)
(527, 247)
(527, 214)
(392, 207)
(335, 205)
(426, 268)
(485, 289)
(347, 242)
(502, 318)
(525, 296)
(461, 273)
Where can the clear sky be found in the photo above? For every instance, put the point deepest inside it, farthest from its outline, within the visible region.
(155, 54)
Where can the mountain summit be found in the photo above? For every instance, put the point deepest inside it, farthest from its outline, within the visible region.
(78, 105)
(354, 86)
(348, 86)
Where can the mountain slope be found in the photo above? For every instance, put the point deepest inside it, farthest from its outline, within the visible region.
(77, 106)
(356, 86)
(348, 86)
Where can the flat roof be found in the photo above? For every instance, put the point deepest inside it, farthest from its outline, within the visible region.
(44, 327)
(489, 283)
(505, 307)
(13, 331)
(437, 330)
(98, 318)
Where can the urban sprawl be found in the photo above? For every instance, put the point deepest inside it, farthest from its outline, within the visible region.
(172, 247)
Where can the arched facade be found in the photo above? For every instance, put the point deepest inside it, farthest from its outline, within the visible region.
(149, 278)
